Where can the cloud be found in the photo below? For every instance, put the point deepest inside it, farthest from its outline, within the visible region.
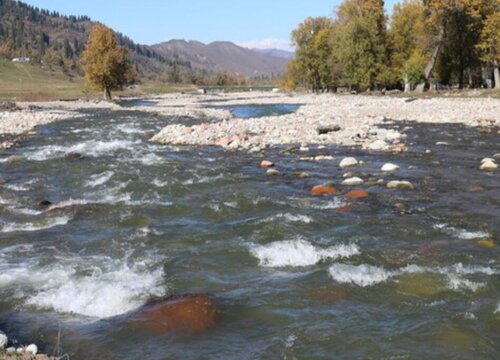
(268, 43)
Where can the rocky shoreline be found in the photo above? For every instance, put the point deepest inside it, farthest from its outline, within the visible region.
(29, 352)
(327, 119)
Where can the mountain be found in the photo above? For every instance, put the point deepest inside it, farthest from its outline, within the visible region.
(222, 56)
(283, 54)
(53, 39)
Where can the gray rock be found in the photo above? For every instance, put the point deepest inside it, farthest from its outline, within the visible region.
(354, 181)
(400, 184)
(3, 340)
(348, 162)
(33, 349)
(272, 172)
(390, 167)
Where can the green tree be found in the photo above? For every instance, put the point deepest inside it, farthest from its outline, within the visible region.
(359, 43)
(107, 66)
(312, 52)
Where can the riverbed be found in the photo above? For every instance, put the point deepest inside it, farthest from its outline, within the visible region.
(400, 274)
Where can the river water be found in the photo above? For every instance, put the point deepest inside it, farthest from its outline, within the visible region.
(398, 275)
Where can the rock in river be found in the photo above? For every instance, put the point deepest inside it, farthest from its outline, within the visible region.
(266, 164)
(390, 167)
(348, 162)
(32, 349)
(353, 181)
(272, 172)
(488, 165)
(183, 314)
(356, 194)
(399, 184)
(323, 190)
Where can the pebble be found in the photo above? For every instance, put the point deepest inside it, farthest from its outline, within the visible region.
(348, 175)
(3, 340)
(33, 349)
(323, 157)
(488, 165)
(20, 350)
(390, 167)
(354, 181)
(303, 175)
(266, 164)
(442, 143)
(304, 149)
(348, 162)
(272, 172)
(399, 184)
(10, 350)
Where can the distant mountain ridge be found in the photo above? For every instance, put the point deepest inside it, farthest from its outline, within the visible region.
(283, 54)
(223, 56)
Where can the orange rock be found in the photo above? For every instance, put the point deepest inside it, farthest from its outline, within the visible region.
(266, 164)
(486, 243)
(344, 209)
(183, 314)
(323, 190)
(356, 194)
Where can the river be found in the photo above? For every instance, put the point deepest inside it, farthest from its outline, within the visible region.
(401, 274)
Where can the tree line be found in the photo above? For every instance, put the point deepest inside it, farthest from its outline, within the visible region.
(424, 44)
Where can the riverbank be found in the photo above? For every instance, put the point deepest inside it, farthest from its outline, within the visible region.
(349, 120)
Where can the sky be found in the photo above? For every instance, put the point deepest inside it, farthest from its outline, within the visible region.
(250, 23)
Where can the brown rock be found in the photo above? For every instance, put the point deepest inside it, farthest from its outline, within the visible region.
(476, 189)
(266, 164)
(183, 314)
(356, 194)
(323, 190)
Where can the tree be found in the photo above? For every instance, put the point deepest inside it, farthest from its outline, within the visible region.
(490, 42)
(359, 43)
(313, 52)
(106, 65)
(406, 41)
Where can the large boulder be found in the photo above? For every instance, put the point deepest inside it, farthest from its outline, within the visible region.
(181, 314)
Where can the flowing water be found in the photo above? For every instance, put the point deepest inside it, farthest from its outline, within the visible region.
(398, 275)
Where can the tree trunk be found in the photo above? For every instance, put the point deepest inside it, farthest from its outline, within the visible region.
(107, 93)
(432, 62)
(496, 74)
(407, 84)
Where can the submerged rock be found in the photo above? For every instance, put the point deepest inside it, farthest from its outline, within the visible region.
(183, 314)
(325, 189)
(390, 167)
(353, 181)
(486, 243)
(423, 285)
(272, 172)
(348, 162)
(398, 184)
(45, 203)
(356, 194)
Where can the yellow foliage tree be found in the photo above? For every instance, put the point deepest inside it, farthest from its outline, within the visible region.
(107, 66)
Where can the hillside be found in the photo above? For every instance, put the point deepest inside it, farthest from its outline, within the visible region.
(276, 53)
(58, 40)
(223, 56)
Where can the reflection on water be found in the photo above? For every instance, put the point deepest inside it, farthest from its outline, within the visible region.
(400, 274)
(255, 111)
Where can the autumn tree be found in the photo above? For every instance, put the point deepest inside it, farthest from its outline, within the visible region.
(312, 52)
(489, 43)
(406, 36)
(359, 43)
(107, 66)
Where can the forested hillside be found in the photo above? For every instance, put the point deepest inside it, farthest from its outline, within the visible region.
(56, 40)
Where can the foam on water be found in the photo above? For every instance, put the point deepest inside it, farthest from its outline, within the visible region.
(92, 148)
(97, 287)
(30, 226)
(99, 179)
(367, 275)
(288, 218)
(202, 179)
(461, 233)
(299, 253)
(361, 275)
(497, 310)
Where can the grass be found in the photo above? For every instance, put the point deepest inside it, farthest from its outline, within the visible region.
(26, 82)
